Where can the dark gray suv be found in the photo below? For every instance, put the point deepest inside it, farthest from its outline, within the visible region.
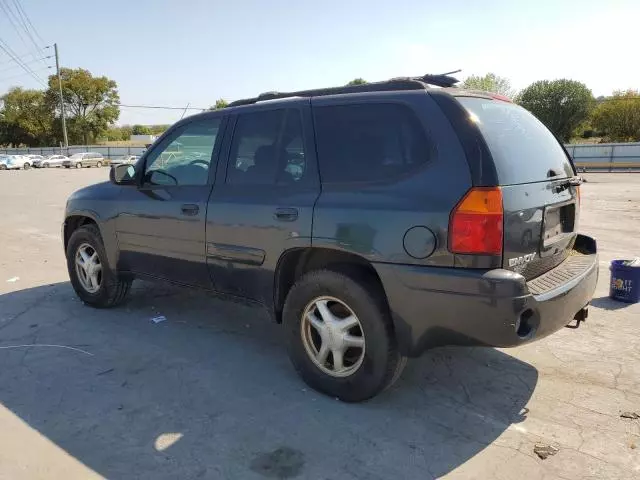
(372, 221)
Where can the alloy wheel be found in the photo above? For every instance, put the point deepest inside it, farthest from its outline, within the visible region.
(88, 268)
(333, 337)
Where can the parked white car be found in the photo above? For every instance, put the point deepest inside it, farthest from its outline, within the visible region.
(33, 158)
(15, 162)
(50, 161)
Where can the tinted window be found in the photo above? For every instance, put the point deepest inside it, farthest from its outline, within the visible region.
(184, 158)
(523, 149)
(267, 149)
(368, 142)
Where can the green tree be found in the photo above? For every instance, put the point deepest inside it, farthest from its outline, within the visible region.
(125, 132)
(220, 103)
(25, 118)
(619, 116)
(158, 129)
(91, 103)
(561, 105)
(357, 81)
(140, 130)
(113, 134)
(489, 83)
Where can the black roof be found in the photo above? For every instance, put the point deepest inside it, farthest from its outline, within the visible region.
(402, 83)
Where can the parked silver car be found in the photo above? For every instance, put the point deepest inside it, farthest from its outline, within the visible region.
(86, 159)
(50, 161)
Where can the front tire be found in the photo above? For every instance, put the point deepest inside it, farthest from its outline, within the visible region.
(78, 165)
(26, 166)
(91, 276)
(346, 314)
(99, 164)
(45, 165)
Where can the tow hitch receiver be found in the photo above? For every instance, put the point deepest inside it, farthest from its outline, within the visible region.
(581, 316)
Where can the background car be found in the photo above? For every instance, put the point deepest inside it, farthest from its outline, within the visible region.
(127, 159)
(85, 159)
(15, 162)
(4, 160)
(50, 161)
(34, 159)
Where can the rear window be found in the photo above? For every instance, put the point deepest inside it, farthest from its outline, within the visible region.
(523, 149)
(368, 142)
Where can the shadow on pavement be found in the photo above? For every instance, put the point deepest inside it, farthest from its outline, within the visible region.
(608, 303)
(209, 393)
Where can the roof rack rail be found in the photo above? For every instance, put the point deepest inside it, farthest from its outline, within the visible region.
(401, 83)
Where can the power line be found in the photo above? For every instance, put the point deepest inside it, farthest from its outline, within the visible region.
(6, 49)
(161, 107)
(24, 55)
(23, 74)
(26, 17)
(25, 22)
(12, 18)
(17, 20)
(26, 63)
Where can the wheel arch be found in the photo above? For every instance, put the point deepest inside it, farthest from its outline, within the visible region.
(295, 262)
(76, 220)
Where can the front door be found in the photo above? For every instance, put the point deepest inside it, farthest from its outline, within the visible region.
(161, 223)
(263, 201)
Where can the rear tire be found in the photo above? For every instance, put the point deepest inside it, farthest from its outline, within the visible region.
(381, 362)
(112, 290)
(99, 164)
(3, 166)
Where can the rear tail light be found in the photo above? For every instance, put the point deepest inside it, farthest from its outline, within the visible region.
(475, 225)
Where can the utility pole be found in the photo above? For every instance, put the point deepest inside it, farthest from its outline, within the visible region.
(64, 121)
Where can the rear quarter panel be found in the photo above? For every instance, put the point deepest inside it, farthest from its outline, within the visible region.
(371, 219)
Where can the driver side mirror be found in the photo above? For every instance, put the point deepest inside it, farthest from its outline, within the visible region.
(123, 175)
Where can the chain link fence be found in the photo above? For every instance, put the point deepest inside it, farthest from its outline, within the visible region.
(601, 156)
(606, 156)
(110, 153)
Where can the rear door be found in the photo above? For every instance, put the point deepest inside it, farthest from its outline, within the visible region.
(540, 195)
(262, 203)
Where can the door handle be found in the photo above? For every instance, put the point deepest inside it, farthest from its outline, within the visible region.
(190, 209)
(286, 214)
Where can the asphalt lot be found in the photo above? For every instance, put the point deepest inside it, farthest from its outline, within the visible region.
(210, 393)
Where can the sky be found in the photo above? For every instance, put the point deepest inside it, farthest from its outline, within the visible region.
(174, 53)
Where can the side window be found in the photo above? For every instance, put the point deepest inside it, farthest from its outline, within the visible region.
(267, 149)
(184, 158)
(368, 142)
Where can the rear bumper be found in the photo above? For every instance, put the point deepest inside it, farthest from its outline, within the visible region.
(453, 306)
